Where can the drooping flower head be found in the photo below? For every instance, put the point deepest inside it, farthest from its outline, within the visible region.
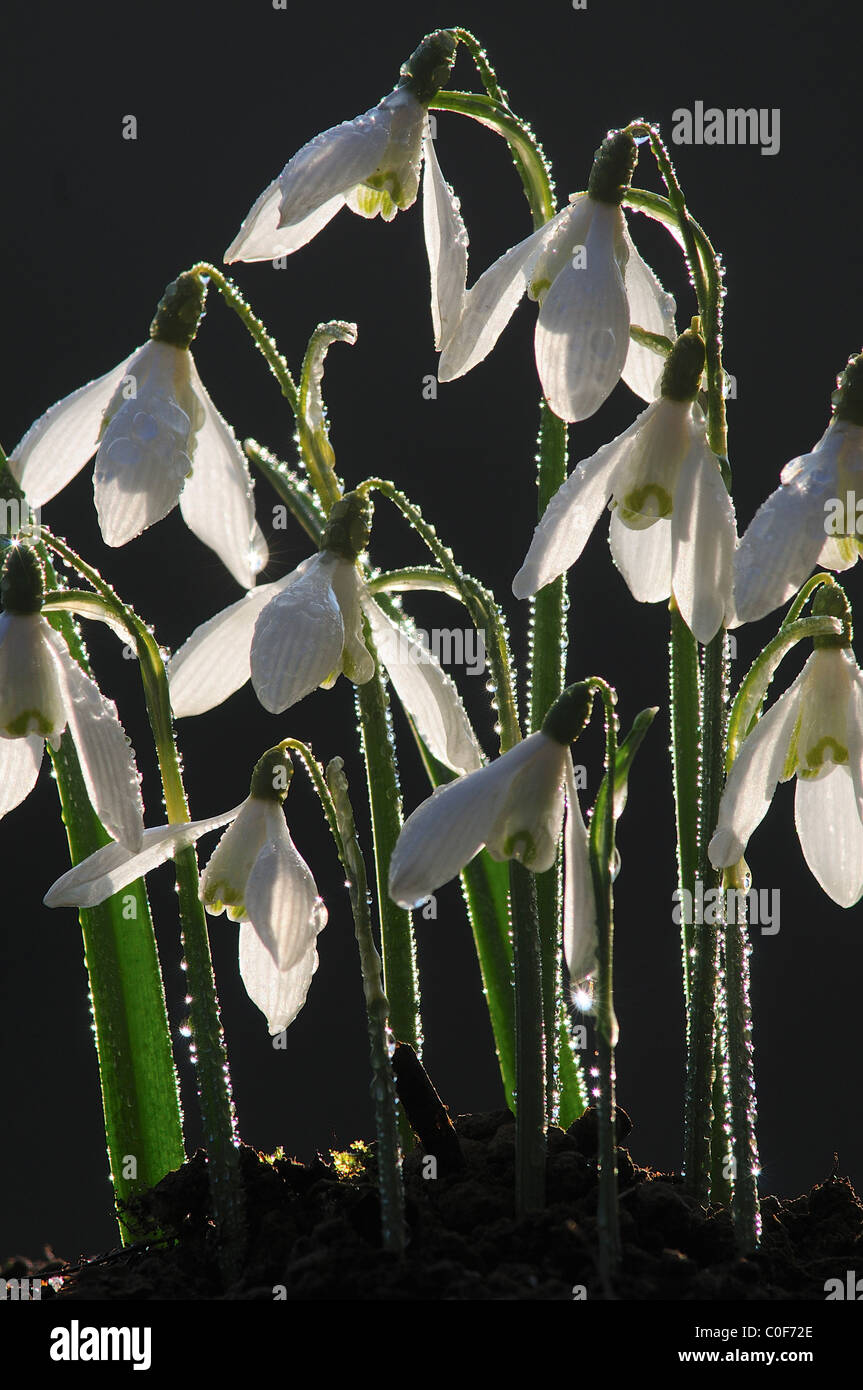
(371, 164)
(303, 631)
(513, 807)
(255, 874)
(43, 691)
(814, 732)
(672, 521)
(584, 271)
(812, 518)
(158, 440)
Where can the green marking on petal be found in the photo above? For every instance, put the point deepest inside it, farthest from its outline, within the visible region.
(520, 846)
(636, 511)
(30, 721)
(538, 288)
(816, 756)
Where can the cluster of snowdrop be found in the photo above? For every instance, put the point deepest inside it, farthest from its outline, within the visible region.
(603, 317)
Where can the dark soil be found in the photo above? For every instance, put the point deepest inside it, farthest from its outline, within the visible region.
(317, 1233)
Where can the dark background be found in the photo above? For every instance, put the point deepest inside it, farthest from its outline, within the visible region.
(94, 227)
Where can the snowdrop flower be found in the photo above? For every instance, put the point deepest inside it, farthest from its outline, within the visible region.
(513, 807)
(588, 278)
(672, 523)
(255, 874)
(371, 163)
(811, 518)
(43, 691)
(816, 731)
(158, 440)
(302, 631)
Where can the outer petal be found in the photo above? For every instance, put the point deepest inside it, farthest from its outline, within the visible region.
(61, 441)
(20, 760)
(582, 333)
(114, 867)
(426, 691)
(651, 307)
(783, 541)
(260, 237)
(580, 938)
(490, 303)
(703, 537)
(298, 639)
(279, 994)
(759, 765)
(106, 756)
(452, 825)
(571, 515)
(217, 500)
(282, 901)
(527, 826)
(145, 453)
(831, 835)
(643, 558)
(446, 244)
(31, 693)
(216, 660)
(334, 162)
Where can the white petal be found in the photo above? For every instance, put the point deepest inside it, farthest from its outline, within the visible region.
(582, 333)
(217, 500)
(759, 765)
(357, 662)
(446, 244)
(298, 638)
(572, 514)
(490, 303)
(643, 558)
(831, 835)
(527, 826)
(334, 162)
(449, 828)
(106, 756)
(224, 879)
(427, 693)
(580, 938)
(145, 452)
(783, 541)
(216, 660)
(282, 901)
(20, 761)
(260, 237)
(61, 441)
(703, 534)
(651, 307)
(31, 693)
(279, 994)
(113, 867)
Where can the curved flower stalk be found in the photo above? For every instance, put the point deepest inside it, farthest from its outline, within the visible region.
(304, 630)
(158, 440)
(672, 525)
(255, 874)
(813, 731)
(811, 518)
(371, 164)
(583, 269)
(43, 691)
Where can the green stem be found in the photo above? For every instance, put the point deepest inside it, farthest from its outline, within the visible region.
(214, 1087)
(301, 501)
(263, 341)
(377, 1010)
(601, 863)
(140, 1097)
(530, 162)
(684, 698)
(401, 984)
(747, 1219)
(529, 1044)
(547, 673)
(756, 682)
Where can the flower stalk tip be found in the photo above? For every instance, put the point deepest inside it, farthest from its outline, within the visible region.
(613, 166)
(684, 365)
(848, 397)
(22, 585)
(348, 526)
(272, 775)
(429, 66)
(569, 715)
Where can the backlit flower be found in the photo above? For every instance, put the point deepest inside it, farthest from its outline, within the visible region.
(158, 440)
